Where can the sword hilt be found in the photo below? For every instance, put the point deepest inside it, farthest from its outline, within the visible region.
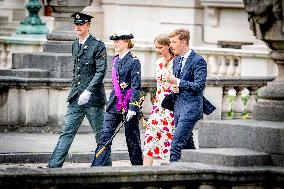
(100, 151)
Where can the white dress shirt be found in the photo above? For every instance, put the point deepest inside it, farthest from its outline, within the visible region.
(185, 57)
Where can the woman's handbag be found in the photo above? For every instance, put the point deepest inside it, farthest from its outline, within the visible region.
(169, 101)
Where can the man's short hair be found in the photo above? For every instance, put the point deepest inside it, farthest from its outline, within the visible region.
(182, 33)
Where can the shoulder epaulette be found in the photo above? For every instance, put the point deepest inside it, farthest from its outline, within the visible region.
(134, 57)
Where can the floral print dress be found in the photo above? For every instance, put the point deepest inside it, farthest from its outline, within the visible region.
(160, 125)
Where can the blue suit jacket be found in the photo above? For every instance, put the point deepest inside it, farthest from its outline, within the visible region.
(189, 102)
(128, 70)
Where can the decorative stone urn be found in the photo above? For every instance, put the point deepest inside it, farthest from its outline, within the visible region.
(266, 22)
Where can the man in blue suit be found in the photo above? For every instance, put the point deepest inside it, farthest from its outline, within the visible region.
(188, 79)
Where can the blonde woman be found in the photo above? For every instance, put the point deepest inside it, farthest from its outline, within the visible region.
(123, 103)
(160, 125)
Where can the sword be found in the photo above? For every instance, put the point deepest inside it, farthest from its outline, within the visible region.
(141, 100)
(111, 138)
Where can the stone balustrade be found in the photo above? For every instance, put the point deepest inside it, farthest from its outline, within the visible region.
(233, 97)
(221, 61)
(39, 104)
(237, 62)
(18, 44)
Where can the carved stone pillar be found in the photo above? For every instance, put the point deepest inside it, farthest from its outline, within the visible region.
(266, 22)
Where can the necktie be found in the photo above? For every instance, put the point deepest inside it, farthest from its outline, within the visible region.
(179, 66)
(80, 45)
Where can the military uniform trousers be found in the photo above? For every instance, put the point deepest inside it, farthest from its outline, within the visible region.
(132, 134)
(73, 119)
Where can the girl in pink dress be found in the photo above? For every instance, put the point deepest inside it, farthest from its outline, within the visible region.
(160, 125)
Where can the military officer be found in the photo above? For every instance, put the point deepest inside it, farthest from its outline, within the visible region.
(123, 100)
(87, 95)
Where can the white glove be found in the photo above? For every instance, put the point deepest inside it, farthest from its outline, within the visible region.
(130, 114)
(84, 97)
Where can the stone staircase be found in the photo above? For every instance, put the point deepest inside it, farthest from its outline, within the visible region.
(238, 143)
(46, 64)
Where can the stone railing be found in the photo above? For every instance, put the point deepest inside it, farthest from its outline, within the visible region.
(39, 104)
(18, 44)
(177, 176)
(233, 97)
(221, 61)
(236, 62)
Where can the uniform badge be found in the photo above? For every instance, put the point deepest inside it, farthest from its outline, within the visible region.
(123, 85)
(77, 16)
(86, 46)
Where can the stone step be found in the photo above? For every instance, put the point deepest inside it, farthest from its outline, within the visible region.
(80, 157)
(264, 136)
(25, 73)
(58, 64)
(233, 157)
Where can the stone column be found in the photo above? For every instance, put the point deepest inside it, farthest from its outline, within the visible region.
(61, 38)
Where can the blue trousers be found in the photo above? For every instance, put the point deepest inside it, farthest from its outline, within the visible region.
(182, 138)
(73, 120)
(132, 134)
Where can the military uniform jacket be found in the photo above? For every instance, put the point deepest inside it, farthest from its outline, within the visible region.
(189, 102)
(128, 71)
(90, 64)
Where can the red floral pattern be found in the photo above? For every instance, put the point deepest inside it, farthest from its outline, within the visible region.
(160, 126)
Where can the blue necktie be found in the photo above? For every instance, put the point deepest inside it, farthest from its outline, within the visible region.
(179, 67)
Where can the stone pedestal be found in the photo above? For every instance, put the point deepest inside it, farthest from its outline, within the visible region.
(270, 105)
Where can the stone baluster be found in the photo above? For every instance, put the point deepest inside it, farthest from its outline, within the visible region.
(231, 67)
(3, 55)
(238, 67)
(222, 68)
(212, 61)
(238, 107)
(226, 107)
(252, 100)
(205, 56)
(8, 63)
